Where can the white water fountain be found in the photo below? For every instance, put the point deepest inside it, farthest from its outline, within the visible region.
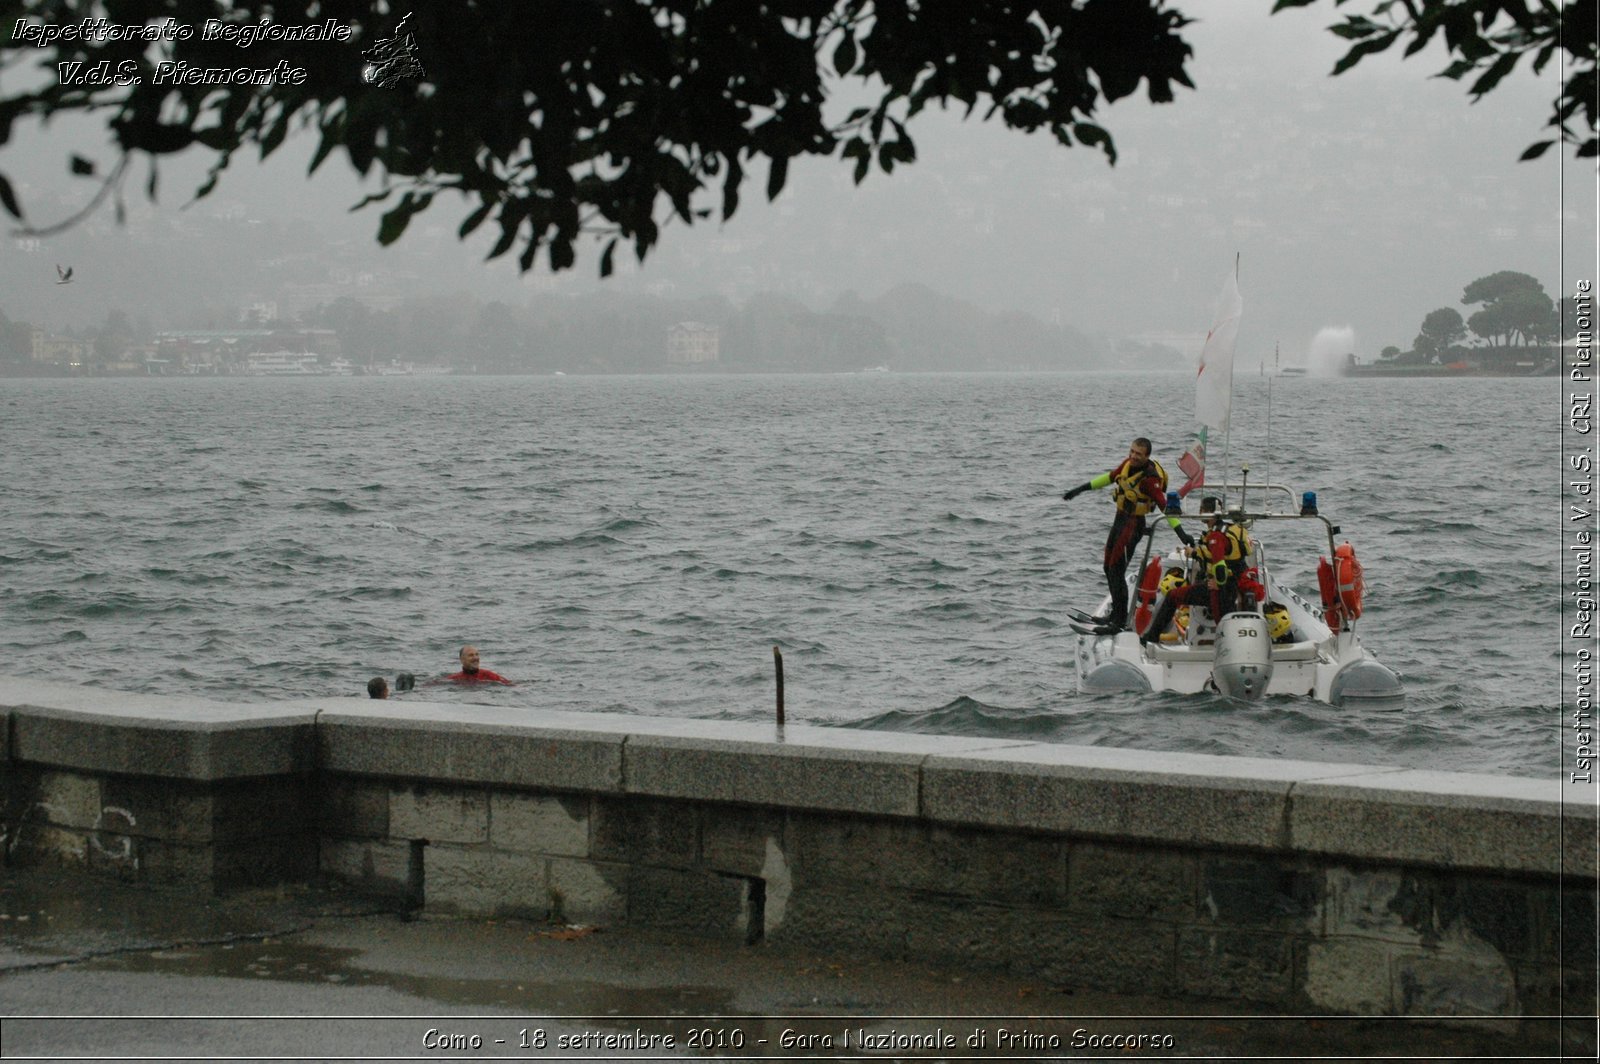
(1330, 350)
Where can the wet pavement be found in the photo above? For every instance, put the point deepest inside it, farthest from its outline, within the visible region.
(91, 969)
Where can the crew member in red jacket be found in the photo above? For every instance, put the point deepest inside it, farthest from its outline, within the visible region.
(1140, 487)
(1224, 584)
(471, 672)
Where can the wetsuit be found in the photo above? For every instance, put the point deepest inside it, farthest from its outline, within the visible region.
(481, 676)
(1137, 492)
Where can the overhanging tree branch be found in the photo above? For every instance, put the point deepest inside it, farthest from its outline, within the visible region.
(609, 117)
(1488, 38)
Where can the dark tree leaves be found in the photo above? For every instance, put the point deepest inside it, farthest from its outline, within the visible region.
(1488, 37)
(600, 118)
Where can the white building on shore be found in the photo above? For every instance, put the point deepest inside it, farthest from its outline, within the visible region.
(691, 343)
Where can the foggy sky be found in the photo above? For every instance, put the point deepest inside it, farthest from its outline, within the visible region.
(1360, 202)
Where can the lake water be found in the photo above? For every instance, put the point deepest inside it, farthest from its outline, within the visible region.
(641, 544)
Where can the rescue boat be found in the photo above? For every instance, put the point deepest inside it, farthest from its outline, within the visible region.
(1276, 642)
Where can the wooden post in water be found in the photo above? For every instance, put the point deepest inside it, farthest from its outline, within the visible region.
(777, 661)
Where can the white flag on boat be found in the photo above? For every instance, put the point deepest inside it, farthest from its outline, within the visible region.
(1213, 391)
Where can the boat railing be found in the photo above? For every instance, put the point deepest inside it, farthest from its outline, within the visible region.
(1251, 517)
(1243, 488)
(1331, 529)
(1247, 518)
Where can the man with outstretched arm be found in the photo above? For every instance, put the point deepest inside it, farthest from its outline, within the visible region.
(1139, 486)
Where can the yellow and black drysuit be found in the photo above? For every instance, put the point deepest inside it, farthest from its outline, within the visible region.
(1137, 489)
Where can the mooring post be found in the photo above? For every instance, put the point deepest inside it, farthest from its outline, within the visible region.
(777, 661)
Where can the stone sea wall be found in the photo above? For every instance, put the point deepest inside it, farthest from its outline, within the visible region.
(1301, 885)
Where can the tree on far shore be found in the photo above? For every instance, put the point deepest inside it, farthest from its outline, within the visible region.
(1516, 310)
(1440, 330)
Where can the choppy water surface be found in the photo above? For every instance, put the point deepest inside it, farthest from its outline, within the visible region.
(641, 544)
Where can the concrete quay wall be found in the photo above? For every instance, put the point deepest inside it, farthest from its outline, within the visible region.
(1308, 886)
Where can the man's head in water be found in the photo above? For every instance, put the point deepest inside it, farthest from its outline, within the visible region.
(377, 687)
(470, 672)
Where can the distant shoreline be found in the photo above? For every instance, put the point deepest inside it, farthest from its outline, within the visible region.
(1445, 371)
(11, 373)
(34, 372)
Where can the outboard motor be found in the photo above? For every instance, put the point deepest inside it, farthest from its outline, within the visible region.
(1243, 664)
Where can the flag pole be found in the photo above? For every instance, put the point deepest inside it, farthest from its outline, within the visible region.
(1276, 355)
(1227, 435)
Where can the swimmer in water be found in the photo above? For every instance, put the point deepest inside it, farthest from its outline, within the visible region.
(472, 672)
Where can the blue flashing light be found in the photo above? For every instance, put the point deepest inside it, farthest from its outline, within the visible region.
(1174, 503)
(1308, 504)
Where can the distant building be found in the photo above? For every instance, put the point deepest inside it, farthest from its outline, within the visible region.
(323, 342)
(282, 364)
(691, 343)
(60, 350)
(207, 350)
(258, 312)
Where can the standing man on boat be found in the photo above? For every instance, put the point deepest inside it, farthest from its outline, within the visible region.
(1140, 486)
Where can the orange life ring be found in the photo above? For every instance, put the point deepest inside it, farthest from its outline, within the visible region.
(1351, 586)
(1147, 595)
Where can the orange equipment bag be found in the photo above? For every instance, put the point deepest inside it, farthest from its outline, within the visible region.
(1351, 586)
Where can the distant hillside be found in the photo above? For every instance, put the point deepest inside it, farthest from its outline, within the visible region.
(910, 328)
(928, 330)
(217, 271)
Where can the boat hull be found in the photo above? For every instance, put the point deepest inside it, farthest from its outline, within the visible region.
(1237, 659)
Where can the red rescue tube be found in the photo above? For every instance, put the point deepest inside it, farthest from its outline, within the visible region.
(1147, 595)
(1328, 584)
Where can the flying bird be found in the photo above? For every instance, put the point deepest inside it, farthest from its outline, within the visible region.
(63, 276)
